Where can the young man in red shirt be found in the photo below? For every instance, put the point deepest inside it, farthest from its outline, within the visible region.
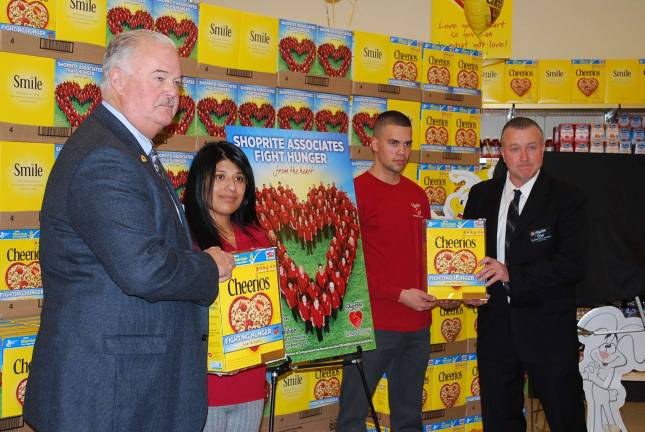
(391, 211)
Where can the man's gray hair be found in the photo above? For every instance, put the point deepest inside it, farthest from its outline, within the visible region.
(121, 47)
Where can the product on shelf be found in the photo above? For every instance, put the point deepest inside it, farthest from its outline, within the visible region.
(405, 62)
(554, 82)
(77, 92)
(216, 107)
(371, 58)
(81, 21)
(582, 137)
(588, 81)
(334, 53)
(295, 109)
(37, 17)
(437, 67)
(437, 126)
(20, 262)
(184, 122)
(297, 46)
(124, 15)
(331, 113)
(466, 71)
(493, 81)
(520, 83)
(365, 111)
(623, 81)
(256, 106)
(178, 19)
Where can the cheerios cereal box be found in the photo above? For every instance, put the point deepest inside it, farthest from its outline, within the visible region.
(436, 126)
(437, 67)
(471, 382)
(474, 424)
(466, 128)
(27, 84)
(622, 86)
(20, 260)
(641, 74)
(324, 386)
(493, 82)
(245, 324)
(448, 325)
(81, 21)
(454, 249)
(554, 82)
(371, 58)
(364, 112)
(471, 322)
(520, 81)
(405, 63)
(179, 20)
(453, 425)
(297, 46)
(413, 111)
(36, 17)
(588, 84)
(24, 169)
(77, 92)
(219, 36)
(16, 359)
(466, 71)
(447, 382)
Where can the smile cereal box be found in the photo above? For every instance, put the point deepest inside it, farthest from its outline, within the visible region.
(81, 21)
(622, 82)
(554, 82)
(493, 82)
(258, 43)
(454, 249)
(371, 58)
(219, 36)
(245, 326)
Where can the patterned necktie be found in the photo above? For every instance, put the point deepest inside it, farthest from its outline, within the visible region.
(156, 162)
(512, 218)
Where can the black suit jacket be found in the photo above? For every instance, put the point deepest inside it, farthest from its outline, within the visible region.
(122, 344)
(546, 260)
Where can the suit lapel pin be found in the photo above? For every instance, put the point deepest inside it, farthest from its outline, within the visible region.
(144, 159)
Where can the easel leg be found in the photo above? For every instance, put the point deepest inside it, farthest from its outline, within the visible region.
(359, 365)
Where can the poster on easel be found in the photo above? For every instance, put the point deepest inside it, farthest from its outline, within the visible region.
(306, 203)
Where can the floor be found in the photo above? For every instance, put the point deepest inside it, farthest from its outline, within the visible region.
(633, 414)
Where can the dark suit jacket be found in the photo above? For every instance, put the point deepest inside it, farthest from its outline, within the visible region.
(546, 260)
(122, 343)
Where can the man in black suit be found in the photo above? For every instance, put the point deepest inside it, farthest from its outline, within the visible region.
(535, 243)
(123, 339)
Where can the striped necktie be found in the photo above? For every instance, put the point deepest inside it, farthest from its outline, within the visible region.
(156, 162)
(512, 218)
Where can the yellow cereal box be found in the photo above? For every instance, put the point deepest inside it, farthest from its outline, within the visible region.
(26, 89)
(466, 130)
(410, 171)
(380, 397)
(434, 180)
(474, 424)
(245, 323)
(371, 58)
(588, 84)
(16, 358)
(471, 322)
(447, 382)
(641, 73)
(471, 382)
(258, 43)
(436, 126)
(20, 261)
(35, 17)
(622, 82)
(452, 425)
(413, 111)
(454, 249)
(405, 62)
(493, 82)
(554, 82)
(219, 36)
(81, 21)
(448, 325)
(437, 67)
(25, 168)
(307, 389)
(520, 81)
(466, 71)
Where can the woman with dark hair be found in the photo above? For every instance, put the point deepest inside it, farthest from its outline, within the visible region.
(220, 209)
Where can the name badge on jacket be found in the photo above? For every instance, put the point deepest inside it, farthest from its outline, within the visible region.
(540, 235)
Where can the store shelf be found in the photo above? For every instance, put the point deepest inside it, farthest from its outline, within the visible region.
(634, 376)
(505, 106)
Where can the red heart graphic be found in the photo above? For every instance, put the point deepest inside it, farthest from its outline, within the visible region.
(520, 86)
(587, 85)
(439, 75)
(450, 329)
(30, 14)
(118, 16)
(68, 90)
(264, 113)
(250, 313)
(447, 261)
(184, 117)
(356, 318)
(467, 79)
(327, 51)
(289, 45)
(302, 115)
(325, 117)
(362, 120)
(327, 217)
(22, 275)
(185, 27)
(449, 394)
(326, 388)
(210, 105)
(437, 135)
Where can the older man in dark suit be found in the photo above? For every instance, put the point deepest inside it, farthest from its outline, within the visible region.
(535, 244)
(123, 340)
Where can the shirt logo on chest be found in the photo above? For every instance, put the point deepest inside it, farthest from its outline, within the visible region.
(416, 210)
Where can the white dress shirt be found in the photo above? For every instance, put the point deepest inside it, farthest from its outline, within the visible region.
(144, 142)
(507, 197)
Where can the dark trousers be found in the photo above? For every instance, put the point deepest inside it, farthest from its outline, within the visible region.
(557, 384)
(404, 356)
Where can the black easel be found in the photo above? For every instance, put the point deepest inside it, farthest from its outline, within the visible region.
(355, 358)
